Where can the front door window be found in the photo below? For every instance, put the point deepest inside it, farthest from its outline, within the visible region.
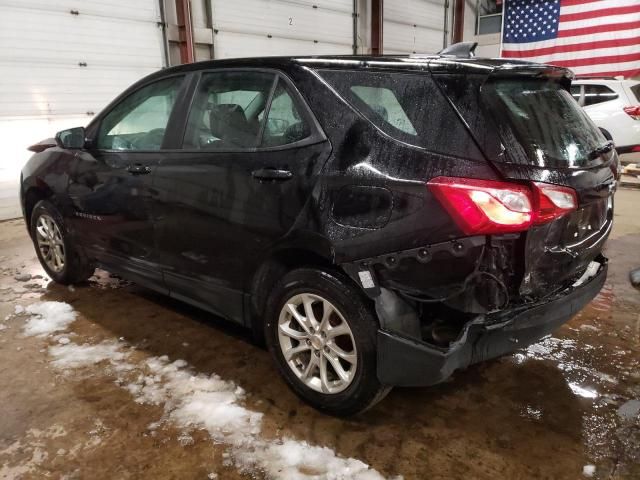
(140, 120)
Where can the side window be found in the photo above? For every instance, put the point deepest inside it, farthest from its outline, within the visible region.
(597, 94)
(140, 120)
(227, 111)
(285, 124)
(385, 104)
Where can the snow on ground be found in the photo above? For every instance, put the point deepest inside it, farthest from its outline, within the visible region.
(197, 401)
(47, 318)
(72, 355)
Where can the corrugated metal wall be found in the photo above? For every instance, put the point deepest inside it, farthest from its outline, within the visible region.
(60, 63)
(57, 63)
(413, 26)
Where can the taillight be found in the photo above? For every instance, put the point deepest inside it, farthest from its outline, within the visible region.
(633, 112)
(494, 207)
(553, 201)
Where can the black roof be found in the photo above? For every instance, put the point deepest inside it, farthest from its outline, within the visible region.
(386, 62)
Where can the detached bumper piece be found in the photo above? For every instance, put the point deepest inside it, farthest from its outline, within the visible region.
(407, 362)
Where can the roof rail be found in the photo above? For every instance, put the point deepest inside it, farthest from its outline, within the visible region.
(460, 50)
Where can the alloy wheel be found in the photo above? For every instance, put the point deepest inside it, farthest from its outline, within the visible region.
(50, 243)
(317, 343)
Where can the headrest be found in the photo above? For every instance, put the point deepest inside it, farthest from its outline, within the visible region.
(227, 120)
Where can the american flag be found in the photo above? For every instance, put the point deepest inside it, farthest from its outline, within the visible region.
(591, 37)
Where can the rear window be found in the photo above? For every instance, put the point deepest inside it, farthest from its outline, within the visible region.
(540, 123)
(407, 107)
(636, 91)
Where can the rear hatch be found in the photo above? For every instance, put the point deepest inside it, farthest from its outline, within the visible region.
(531, 129)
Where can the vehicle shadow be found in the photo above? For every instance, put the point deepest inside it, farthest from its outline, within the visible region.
(501, 419)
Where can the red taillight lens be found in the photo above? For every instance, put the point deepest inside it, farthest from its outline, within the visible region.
(553, 201)
(484, 206)
(493, 207)
(633, 112)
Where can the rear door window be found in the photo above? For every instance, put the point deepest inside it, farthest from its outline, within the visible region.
(285, 121)
(541, 124)
(636, 91)
(226, 113)
(594, 94)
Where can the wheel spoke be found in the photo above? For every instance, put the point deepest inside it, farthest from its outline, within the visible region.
(324, 379)
(42, 231)
(337, 367)
(293, 351)
(342, 329)
(290, 332)
(302, 321)
(327, 310)
(308, 311)
(346, 356)
(311, 366)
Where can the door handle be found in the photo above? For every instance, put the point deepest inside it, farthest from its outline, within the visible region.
(138, 169)
(271, 174)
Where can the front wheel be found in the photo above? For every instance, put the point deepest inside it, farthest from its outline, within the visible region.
(322, 336)
(58, 255)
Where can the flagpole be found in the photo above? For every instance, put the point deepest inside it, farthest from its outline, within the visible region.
(504, 14)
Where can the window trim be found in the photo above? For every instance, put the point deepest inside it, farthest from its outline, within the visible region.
(317, 135)
(93, 129)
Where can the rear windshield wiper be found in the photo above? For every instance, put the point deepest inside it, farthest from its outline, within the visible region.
(605, 148)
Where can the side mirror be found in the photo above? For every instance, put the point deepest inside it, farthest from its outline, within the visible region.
(72, 138)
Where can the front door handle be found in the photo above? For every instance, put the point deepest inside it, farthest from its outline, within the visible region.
(138, 169)
(271, 174)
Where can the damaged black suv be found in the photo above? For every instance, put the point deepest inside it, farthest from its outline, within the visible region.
(382, 221)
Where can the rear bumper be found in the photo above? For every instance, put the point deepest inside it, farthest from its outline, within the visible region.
(406, 362)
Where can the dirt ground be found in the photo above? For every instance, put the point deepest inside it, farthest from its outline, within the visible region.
(566, 408)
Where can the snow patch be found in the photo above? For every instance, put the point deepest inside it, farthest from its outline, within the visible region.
(198, 401)
(214, 404)
(588, 470)
(72, 355)
(47, 318)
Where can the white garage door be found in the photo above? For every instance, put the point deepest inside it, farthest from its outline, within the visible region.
(250, 28)
(413, 26)
(60, 63)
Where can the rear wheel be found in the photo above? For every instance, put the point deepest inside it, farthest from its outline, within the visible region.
(322, 336)
(59, 257)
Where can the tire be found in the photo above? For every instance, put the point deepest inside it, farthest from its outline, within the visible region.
(74, 267)
(357, 388)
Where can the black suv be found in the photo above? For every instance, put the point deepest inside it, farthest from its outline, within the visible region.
(380, 220)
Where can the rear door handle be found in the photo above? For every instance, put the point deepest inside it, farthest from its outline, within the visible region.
(271, 174)
(138, 169)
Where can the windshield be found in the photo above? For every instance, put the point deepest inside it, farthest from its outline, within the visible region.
(540, 123)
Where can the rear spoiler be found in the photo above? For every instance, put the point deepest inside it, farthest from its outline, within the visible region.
(501, 68)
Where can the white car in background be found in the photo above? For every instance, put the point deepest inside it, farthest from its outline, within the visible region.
(614, 106)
